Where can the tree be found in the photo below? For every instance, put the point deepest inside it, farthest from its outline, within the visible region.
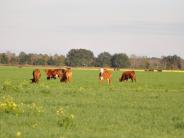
(133, 61)
(59, 60)
(23, 58)
(103, 59)
(45, 58)
(51, 61)
(171, 62)
(30, 58)
(79, 57)
(38, 59)
(147, 64)
(120, 60)
(11, 57)
(3, 58)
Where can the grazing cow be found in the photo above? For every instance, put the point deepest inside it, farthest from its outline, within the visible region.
(128, 75)
(53, 73)
(66, 75)
(49, 74)
(57, 73)
(105, 75)
(150, 70)
(159, 70)
(36, 76)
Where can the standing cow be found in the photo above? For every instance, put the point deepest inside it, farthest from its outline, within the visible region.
(128, 75)
(36, 76)
(66, 75)
(50, 74)
(53, 73)
(105, 75)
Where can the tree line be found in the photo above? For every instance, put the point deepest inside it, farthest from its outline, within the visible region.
(86, 58)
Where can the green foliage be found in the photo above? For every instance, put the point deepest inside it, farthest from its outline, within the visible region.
(9, 86)
(59, 60)
(104, 60)
(180, 125)
(39, 62)
(3, 58)
(51, 61)
(79, 57)
(171, 62)
(147, 64)
(23, 58)
(31, 59)
(8, 105)
(120, 60)
(83, 57)
(64, 118)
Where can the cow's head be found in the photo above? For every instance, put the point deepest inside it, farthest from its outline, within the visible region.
(33, 80)
(101, 70)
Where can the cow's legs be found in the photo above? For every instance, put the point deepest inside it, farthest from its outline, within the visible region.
(109, 81)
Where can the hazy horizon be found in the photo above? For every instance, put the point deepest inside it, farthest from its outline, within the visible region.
(65, 54)
(144, 28)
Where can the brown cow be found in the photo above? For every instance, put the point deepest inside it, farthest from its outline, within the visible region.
(105, 75)
(57, 73)
(36, 76)
(49, 74)
(128, 75)
(66, 75)
(53, 73)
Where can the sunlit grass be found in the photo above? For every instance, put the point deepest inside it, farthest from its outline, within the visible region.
(151, 107)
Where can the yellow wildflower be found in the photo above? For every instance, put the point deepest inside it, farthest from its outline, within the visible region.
(72, 116)
(18, 134)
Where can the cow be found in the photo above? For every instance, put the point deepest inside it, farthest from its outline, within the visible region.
(36, 76)
(66, 75)
(49, 74)
(57, 73)
(128, 75)
(159, 70)
(53, 73)
(150, 70)
(105, 75)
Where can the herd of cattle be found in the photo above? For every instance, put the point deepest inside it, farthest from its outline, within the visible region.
(65, 75)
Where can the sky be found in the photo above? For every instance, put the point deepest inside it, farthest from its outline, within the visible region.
(152, 28)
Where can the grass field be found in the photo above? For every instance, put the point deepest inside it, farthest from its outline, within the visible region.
(153, 107)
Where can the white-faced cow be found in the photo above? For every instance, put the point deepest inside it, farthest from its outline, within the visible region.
(105, 75)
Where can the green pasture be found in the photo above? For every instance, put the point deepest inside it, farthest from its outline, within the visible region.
(153, 107)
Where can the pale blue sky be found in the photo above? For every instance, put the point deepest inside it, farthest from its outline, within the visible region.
(141, 27)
